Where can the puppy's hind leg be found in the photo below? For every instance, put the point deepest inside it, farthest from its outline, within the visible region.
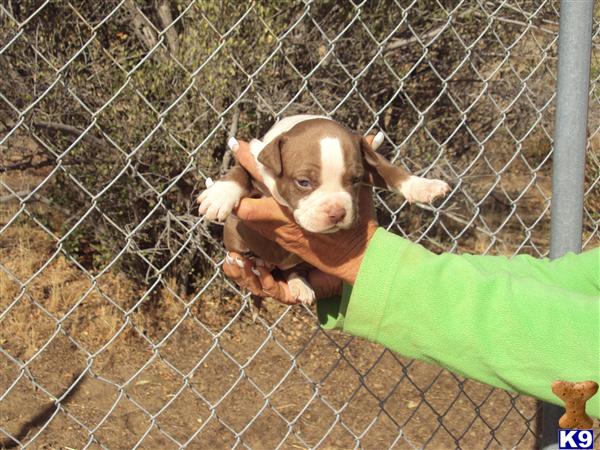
(381, 173)
(423, 190)
(300, 289)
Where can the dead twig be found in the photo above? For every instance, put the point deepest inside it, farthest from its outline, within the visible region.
(400, 43)
(142, 26)
(40, 198)
(163, 10)
(458, 219)
(232, 132)
(57, 126)
(25, 164)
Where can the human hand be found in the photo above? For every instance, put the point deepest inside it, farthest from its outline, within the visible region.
(338, 254)
(259, 280)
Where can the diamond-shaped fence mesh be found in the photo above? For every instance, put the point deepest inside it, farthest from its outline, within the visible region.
(118, 328)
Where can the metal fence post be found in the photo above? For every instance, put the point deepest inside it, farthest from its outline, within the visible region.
(570, 139)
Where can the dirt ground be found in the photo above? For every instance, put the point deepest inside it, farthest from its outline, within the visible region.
(264, 384)
(181, 411)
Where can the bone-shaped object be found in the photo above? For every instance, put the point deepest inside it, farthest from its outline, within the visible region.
(575, 395)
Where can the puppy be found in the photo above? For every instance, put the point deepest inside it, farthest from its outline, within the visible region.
(314, 166)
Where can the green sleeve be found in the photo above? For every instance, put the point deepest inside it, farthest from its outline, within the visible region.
(517, 324)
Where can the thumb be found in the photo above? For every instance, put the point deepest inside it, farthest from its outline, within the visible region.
(264, 209)
(243, 155)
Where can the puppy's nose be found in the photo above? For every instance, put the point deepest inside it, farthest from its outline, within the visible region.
(335, 213)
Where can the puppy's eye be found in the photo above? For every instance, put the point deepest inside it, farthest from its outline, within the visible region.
(303, 183)
(357, 180)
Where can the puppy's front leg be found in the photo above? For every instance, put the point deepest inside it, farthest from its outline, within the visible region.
(219, 200)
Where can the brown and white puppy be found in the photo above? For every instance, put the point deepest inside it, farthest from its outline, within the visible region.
(314, 166)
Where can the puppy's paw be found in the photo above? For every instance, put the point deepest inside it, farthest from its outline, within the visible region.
(423, 190)
(219, 199)
(301, 290)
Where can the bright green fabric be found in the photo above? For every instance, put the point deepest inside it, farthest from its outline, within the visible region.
(518, 324)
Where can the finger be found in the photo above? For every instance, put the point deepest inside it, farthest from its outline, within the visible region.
(241, 270)
(277, 289)
(244, 156)
(232, 269)
(264, 209)
(375, 140)
(235, 274)
(269, 285)
(250, 275)
(243, 280)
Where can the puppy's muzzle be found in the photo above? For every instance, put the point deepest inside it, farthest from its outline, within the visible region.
(335, 213)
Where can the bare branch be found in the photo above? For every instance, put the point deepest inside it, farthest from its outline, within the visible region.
(141, 25)
(26, 164)
(74, 131)
(163, 11)
(40, 198)
(400, 43)
(232, 132)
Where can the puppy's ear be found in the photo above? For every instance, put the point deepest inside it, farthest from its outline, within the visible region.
(270, 155)
(379, 171)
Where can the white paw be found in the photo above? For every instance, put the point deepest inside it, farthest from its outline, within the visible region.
(219, 199)
(301, 290)
(422, 190)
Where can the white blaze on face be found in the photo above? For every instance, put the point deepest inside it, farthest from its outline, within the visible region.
(312, 212)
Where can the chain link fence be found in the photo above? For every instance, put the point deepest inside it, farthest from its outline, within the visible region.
(118, 328)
